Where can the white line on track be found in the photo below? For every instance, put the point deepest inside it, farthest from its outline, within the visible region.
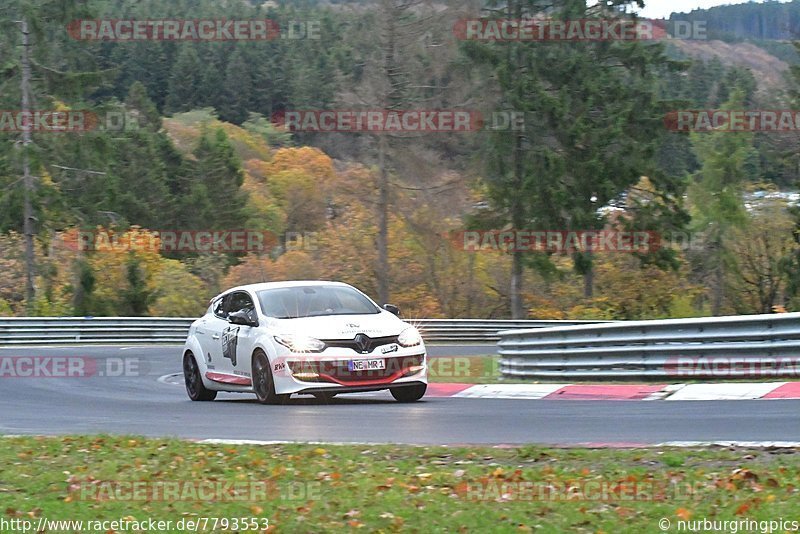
(735, 391)
(509, 391)
(169, 379)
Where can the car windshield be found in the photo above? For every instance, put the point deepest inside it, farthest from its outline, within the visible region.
(313, 301)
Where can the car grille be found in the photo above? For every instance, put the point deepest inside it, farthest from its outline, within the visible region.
(337, 371)
(370, 343)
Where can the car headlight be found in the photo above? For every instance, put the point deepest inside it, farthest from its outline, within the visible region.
(409, 337)
(297, 343)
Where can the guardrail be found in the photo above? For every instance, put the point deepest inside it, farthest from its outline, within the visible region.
(737, 346)
(154, 330)
(99, 330)
(479, 330)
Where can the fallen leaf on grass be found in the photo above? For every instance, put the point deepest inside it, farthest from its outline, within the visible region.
(625, 512)
(744, 474)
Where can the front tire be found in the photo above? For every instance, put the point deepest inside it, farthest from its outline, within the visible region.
(409, 393)
(263, 384)
(195, 388)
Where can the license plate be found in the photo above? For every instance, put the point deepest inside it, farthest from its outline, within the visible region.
(366, 365)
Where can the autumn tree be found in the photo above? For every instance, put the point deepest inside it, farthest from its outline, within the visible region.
(757, 279)
(716, 195)
(591, 116)
(395, 70)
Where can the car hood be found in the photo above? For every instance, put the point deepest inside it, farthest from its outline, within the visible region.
(341, 326)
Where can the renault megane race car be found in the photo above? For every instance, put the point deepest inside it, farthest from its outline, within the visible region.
(319, 338)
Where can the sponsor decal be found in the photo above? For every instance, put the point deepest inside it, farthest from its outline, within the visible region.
(230, 340)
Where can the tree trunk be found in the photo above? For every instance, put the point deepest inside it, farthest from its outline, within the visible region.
(517, 310)
(517, 214)
(588, 283)
(388, 100)
(588, 277)
(715, 255)
(382, 240)
(517, 218)
(30, 260)
(470, 290)
(719, 280)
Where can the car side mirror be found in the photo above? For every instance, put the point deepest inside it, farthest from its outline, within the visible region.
(391, 308)
(241, 318)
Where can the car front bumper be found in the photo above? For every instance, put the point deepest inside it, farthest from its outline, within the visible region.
(310, 374)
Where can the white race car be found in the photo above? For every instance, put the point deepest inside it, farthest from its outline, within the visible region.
(318, 338)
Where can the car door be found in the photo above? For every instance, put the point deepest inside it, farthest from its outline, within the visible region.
(201, 330)
(238, 340)
(213, 326)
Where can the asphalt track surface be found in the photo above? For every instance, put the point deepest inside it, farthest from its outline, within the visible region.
(143, 405)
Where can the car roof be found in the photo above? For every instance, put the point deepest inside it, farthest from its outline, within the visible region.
(277, 285)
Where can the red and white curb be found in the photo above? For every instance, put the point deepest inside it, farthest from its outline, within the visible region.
(648, 392)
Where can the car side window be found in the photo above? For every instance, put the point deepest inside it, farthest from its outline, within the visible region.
(240, 302)
(219, 307)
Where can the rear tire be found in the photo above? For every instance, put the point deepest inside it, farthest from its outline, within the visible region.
(263, 384)
(409, 393)
(195, 388)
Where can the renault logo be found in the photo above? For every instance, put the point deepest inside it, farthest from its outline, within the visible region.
(362, 342)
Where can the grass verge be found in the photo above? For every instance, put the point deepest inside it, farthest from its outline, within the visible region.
(331, 488)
